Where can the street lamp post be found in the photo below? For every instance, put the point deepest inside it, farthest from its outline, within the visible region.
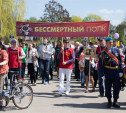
(112, 30)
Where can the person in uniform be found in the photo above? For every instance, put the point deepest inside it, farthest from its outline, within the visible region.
(110, 66)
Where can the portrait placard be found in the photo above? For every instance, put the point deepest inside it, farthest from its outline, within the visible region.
(90, 52)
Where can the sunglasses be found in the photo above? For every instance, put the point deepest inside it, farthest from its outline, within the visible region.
(66, 42)
(100, 40)
(13, 41)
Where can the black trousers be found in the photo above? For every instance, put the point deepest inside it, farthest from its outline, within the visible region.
(95, 76)
(77, 71)
(31, 72)
(109, 82)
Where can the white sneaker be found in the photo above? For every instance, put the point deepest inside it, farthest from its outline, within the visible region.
(67, 93)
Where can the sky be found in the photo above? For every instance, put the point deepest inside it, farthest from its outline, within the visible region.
(112, 10)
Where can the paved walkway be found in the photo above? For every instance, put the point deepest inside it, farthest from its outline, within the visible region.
(77, 101)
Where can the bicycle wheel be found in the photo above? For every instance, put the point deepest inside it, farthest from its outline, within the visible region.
(22, 96)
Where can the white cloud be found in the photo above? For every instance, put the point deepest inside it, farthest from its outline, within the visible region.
(105, 16)
(116, 22)
(115, 16)
(119, 11)
(107, 11)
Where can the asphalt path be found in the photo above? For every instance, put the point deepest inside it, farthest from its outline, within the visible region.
(77, 101)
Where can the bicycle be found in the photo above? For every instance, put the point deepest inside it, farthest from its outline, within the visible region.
(20, 92)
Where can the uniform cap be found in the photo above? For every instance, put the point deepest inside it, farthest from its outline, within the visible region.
(108, 39)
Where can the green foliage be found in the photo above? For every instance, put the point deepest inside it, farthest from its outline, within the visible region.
(10, 12)
(76, 19)
(78, 39)
(120, 30)
(32, 19)
(92, 18)
(93, 39)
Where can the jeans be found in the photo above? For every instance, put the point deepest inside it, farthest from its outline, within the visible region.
(6, 80)
(2, 78)
(101, 83)
(82, 76)
(51, 68)
(45, 67)
(14, 69)
(23, 70)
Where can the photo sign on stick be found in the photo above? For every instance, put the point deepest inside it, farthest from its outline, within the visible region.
(90, 52)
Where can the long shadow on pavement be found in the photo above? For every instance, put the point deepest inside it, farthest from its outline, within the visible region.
(9, 108)
(89, 105)
(53, 95)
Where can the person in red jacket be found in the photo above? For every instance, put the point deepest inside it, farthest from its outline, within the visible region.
(67, 58)
(16, 54)
(3, 69)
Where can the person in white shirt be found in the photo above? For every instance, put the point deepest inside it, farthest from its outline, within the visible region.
(32, 57)
(45, 51)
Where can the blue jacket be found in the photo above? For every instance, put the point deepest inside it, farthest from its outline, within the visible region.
(106, 60)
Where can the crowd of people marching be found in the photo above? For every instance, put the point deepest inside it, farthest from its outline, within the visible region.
(104, 70)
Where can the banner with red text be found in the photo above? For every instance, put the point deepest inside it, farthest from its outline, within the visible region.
(69, 29)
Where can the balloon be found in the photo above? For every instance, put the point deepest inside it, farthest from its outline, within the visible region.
(116, 35)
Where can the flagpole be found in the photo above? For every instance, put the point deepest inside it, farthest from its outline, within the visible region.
(63, 49)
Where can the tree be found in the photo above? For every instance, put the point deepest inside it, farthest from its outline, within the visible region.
(120, 30)
(32, 19)
(54, 12)
(92, 18)
(10, 12)
(76, 19)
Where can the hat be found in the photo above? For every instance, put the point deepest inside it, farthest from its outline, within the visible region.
(108, 39)
(77, 43)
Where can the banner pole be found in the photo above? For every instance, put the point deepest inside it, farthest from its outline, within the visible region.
(63, 49)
